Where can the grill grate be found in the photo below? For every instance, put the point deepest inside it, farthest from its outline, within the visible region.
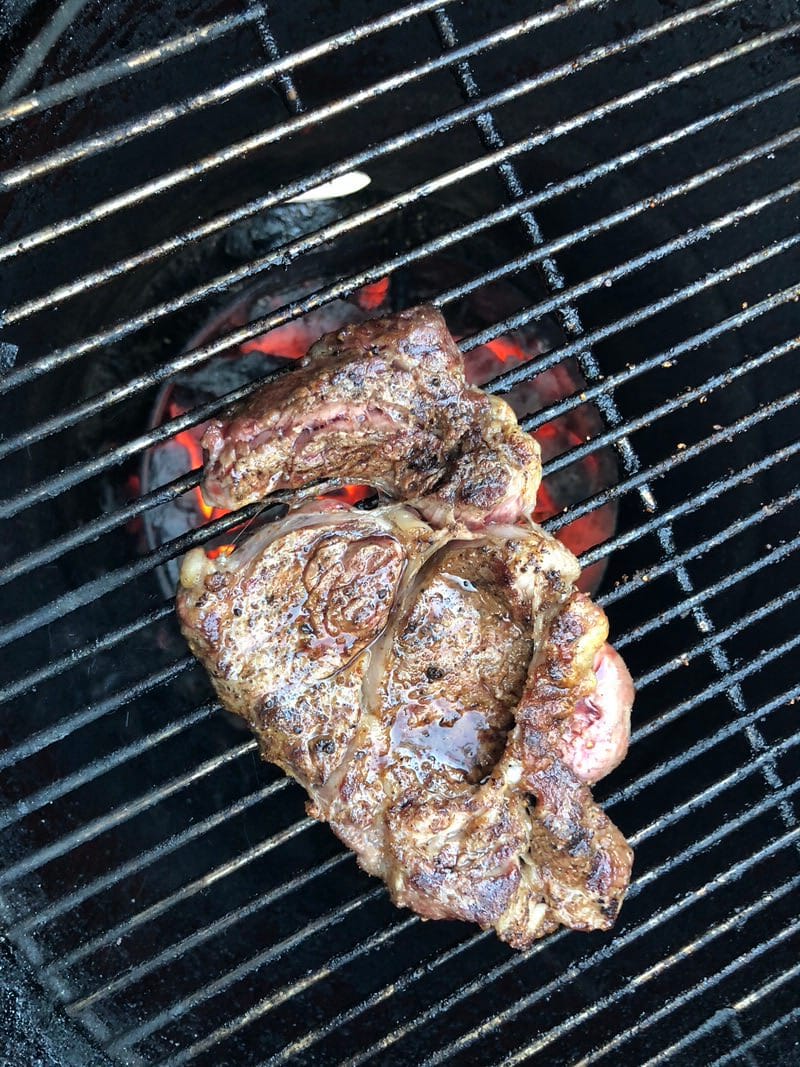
(165, 884)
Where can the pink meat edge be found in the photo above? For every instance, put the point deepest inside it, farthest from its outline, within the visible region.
(596, 737)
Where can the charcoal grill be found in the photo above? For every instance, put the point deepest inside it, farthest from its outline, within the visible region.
(633, 169)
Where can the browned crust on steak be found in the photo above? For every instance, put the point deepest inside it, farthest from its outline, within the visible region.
(381, 403)
(428, 738)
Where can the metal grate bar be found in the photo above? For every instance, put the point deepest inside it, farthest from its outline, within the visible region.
(37, 367)
(731, 874)
(26, 106)
(731, 728)
(713, 491)
(191, 941)
(716, 637)
(757, 1040)
(33, 56)
(566, 314)
(91, 531)
(115, 395)
(121, 814)
(711, 385)
(290, 251)
(699, 549)
(714, 645)
(82, 471)
(179, 896)
(272, 953)
(98, 587)
(628, 267)
(101, 586)
(77, 779)
(709, 982)
(755, 995)
(33, 368)
(700, 747)
(718, 655)
(311, 1037)
(493, 141)
(673, 815)
(483, 980)
(655, 827)
(285, 81)
(59, 730)
(502, 153)
(242, 148)
(712, 980)
(162, 116)
(62, 786)
(727, 1014)
(499, 153)
(107, 583)
(668, 355)
(781, 552)
(72, 659)
(744, 475)
(143, 859)
(711, 643)
(669, 464)
(339, 961)
(503, 382)
(59, 789)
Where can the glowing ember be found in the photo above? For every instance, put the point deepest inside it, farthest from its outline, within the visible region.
(190, 441)
(372, 296)
(293, 339)
(284, 342)
(220, 550)
(557, 492)
(350, 494)
(573, 483)
(506, 349)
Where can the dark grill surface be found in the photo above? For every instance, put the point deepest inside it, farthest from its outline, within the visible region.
(633, 169)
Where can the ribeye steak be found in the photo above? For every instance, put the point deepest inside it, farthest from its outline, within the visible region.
(426, 669)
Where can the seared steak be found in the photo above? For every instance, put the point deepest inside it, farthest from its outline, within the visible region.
(426, 670)
(434, 690)
(382, 403)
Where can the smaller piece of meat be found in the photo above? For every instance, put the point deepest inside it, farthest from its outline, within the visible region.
(382, 403)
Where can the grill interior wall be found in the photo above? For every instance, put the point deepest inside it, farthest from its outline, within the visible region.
(164, 881)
